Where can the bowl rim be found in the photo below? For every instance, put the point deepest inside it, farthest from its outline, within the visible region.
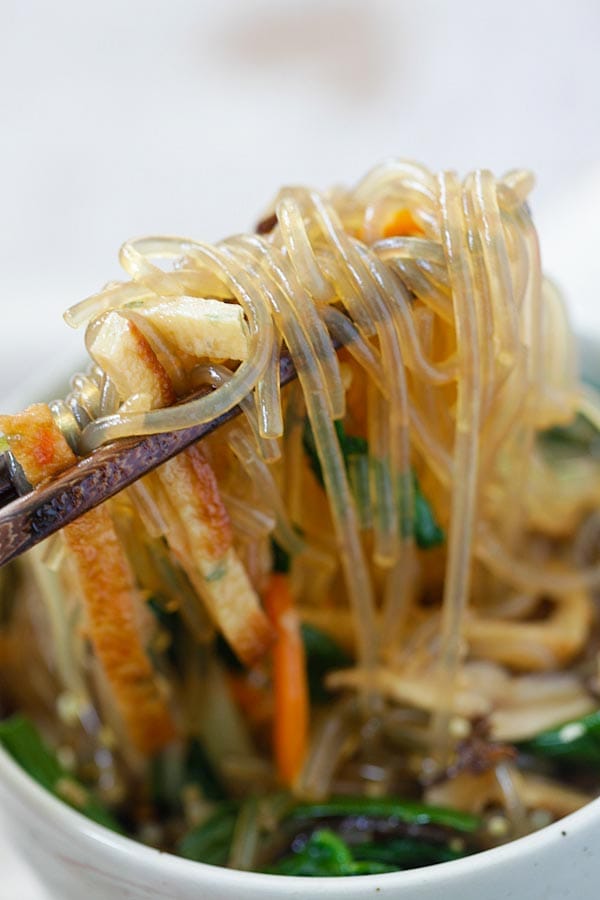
(14, 780)
(38, 800)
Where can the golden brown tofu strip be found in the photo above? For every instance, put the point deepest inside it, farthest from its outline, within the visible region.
(108, 590)
(200, 536)
(127, 358)
(37, 443)
(199, 531)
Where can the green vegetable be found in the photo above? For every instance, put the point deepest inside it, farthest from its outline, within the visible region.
(579, 438)
(322, 655)
(357, 466)
(211, 841)
(326, 854)
(406, 852)
(349, 446)
(246, 836)
(171, 771)
(21, 739)
(388, 807)
(175, 595)
(575, 741)
(281, 558)
(217, 573)
(310, 448)
(199, 770)
(170, 621)
(427, 531)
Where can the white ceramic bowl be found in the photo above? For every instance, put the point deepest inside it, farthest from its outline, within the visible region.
(77, 858)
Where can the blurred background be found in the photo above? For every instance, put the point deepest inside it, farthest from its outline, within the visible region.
(119, 119)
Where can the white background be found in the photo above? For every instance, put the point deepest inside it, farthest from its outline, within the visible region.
(124, 117)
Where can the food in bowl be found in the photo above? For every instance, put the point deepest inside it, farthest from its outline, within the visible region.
(353, 630)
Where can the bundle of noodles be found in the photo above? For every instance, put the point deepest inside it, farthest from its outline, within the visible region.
(403, 478)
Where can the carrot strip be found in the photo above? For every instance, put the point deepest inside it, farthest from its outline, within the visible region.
(402, 225)
(290, 723)
(199, 534)
(199, 531)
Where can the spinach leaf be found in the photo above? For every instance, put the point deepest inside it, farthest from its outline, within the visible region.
(326, 854)
(406, 852)
(322, 655)
(409, 811)
(210, 842)
(574, 741)
(427, 531)
(349, 445)
(21, 739)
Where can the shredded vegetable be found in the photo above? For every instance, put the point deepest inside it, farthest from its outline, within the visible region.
(354, 630)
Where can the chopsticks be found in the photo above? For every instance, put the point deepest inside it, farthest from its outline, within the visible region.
(29, 519)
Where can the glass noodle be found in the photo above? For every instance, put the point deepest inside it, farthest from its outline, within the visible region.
(413, 521)
(449, 393)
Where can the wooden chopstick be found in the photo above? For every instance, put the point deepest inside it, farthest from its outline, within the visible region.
(29, 519)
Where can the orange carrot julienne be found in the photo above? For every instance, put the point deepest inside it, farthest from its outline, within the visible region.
(291, 708)
(402, 224)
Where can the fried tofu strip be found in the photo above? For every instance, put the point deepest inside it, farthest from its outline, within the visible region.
(37, 443)
(200, 536)
(129, 361)
(107, 585)
(535, 646)
(201, 327)
(199, 531)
